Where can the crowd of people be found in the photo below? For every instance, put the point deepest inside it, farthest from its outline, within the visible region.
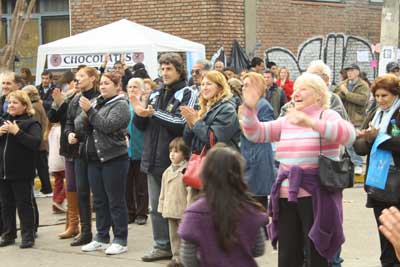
(122, 142)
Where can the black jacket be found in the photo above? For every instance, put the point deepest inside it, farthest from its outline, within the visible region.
(47, 97)
(222, 120)
(166, 124)
(74, 110)
(363, 147)
(17, 152)
(59, 114)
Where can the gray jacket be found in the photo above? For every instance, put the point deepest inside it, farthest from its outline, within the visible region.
(109, 125)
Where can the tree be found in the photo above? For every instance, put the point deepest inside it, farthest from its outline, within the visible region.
(21, 15)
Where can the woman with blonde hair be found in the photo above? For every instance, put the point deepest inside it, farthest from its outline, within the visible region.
(284, 82)
(20, 137)
(216, 117)
(306, 218)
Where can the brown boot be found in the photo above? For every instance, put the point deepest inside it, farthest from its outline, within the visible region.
(73, 218)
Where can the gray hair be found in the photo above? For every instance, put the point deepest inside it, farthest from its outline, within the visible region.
(138, 81)
(318, 84)
(206, 63)
(320, 68)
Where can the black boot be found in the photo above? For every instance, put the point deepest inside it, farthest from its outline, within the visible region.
(85, 215)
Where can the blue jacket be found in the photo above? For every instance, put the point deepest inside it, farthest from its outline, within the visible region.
(259, 172)
(135, 139)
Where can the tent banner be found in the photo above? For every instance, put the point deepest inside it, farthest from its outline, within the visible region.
(69, 61)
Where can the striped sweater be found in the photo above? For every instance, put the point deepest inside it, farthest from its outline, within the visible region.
(298, 145)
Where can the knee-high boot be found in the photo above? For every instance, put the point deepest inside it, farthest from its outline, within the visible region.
(72, 217)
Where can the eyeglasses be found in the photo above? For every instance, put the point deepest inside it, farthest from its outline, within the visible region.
(197, 72)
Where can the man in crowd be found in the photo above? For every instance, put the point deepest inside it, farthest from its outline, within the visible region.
(219, 66)
(45, 89)
(197, 73)
(273, 67)
(161, 122)
(394, 68)
(119, 67)
(274, 94)
(355, 94)
(257, 65)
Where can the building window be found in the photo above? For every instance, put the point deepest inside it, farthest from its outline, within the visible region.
(54, 6)
(54, 28)
(376, 1)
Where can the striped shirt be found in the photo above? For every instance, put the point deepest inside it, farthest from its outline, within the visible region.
(299, 146)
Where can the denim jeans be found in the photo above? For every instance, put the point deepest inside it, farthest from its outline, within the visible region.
(108, 183)
(159, 224)
(355, 158)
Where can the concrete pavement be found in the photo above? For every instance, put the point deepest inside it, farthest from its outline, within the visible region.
(360, 250)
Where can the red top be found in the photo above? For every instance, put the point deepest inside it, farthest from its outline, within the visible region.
(287, 88)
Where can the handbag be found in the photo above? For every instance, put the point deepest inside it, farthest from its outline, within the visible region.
(191, 177)
(391, 193)
(383, 179)
(335, 175)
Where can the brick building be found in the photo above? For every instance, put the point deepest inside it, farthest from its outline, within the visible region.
(215, 23)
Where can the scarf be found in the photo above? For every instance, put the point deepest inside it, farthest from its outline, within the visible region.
(382, 117)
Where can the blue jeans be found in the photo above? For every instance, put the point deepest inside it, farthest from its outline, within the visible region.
(159, 224)
(355, 158)
(108, 183)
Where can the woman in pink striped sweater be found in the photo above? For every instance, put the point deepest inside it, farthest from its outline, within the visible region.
(308, 218)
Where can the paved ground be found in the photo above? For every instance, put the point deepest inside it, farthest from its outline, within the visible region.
(360, 250)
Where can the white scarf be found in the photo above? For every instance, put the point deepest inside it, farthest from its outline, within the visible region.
(383, 123)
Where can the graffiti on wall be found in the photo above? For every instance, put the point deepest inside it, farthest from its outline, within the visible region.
(337, 50)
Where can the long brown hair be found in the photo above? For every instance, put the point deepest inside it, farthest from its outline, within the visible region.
(226, 192)
(225, 91)
(92, 72)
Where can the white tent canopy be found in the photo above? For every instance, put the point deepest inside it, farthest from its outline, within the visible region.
(121, 37)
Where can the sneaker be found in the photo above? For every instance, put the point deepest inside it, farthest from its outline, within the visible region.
(141, 220)
(358, 170)
(94, 245)
(156, 255)
(116, 249)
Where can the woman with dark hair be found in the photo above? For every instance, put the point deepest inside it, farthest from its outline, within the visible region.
(225, 226)
(87, 80)
(384, 119)
(20, 137)
(26, 75)
(104, 123)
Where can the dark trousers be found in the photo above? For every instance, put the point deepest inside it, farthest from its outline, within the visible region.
(70, 175)
(17, 195)
(295, 248)
(108, 184)
(42, 168)
(137, 196)
(83, 191)
(388, 255)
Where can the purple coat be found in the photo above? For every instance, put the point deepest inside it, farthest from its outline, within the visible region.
(197, 227)
(327, 229)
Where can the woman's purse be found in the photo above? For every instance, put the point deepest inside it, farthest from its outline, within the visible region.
(335, 175)
(383, 179)
(191, 177)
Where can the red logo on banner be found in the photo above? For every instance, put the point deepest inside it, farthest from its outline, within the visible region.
(55, 60)
(138, 57)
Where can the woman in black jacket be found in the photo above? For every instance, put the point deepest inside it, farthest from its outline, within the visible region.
(384, 119)
(87, 79)
(58, 114)
(217, 115)
(20, 137)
